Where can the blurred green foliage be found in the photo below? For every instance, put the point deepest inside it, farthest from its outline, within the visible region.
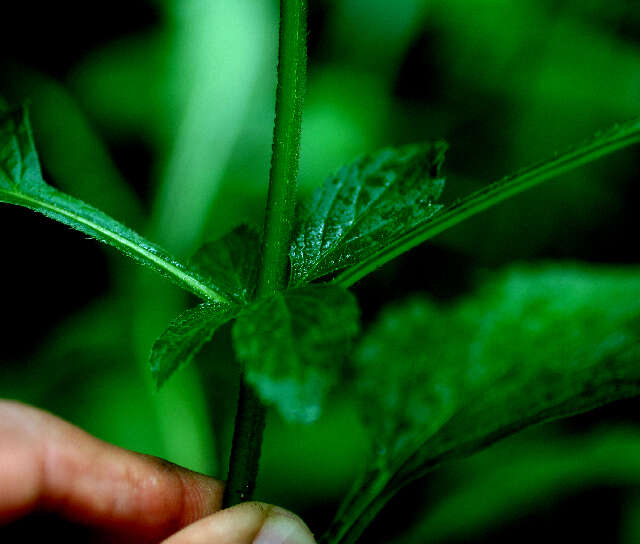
(187, 107)
(532, 344)
(519, 475)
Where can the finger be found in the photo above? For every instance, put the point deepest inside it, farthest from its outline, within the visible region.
(247, 523)
(46, 463)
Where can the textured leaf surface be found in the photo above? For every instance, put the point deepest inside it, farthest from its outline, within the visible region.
(539, 343)
(364, 206)
(185, 336)
(601, 144)
(21, 183)
(536, 344)
(233, 261)
(293, 346)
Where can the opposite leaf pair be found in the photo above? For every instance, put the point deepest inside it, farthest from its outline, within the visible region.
(291, 344)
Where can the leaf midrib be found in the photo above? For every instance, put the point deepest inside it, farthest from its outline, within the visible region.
(346, 233)
(617, 138)
(196, 286)
(324, 254)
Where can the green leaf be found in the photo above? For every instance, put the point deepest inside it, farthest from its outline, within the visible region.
(507, 481)
(408, 368)
(537, 343)
(21, 183)
(233, 261)
(364, 206)
(185, 336)
(293, 346)
(603, 143)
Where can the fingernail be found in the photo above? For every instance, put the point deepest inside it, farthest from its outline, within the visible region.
(283, 527)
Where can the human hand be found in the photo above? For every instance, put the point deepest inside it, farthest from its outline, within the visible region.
(49, 465)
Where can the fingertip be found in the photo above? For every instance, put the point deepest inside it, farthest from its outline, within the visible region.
(48, 463)
(246, 523)
(283, 527)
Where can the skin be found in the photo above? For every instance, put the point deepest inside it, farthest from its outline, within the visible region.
(48, 465)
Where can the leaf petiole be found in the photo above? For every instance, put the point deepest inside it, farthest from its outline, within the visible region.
(145, 254)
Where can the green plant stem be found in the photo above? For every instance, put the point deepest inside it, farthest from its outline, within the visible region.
(279, 217)
(281, 200)
(602, 144)
(245, 450)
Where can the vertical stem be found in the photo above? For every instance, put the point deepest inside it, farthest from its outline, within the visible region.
(286, 147)
(245, 450)
(279, 217)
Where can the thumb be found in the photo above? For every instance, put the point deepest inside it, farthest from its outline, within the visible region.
(246, 523)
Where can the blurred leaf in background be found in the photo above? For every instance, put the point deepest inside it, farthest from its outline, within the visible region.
(521, 475)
